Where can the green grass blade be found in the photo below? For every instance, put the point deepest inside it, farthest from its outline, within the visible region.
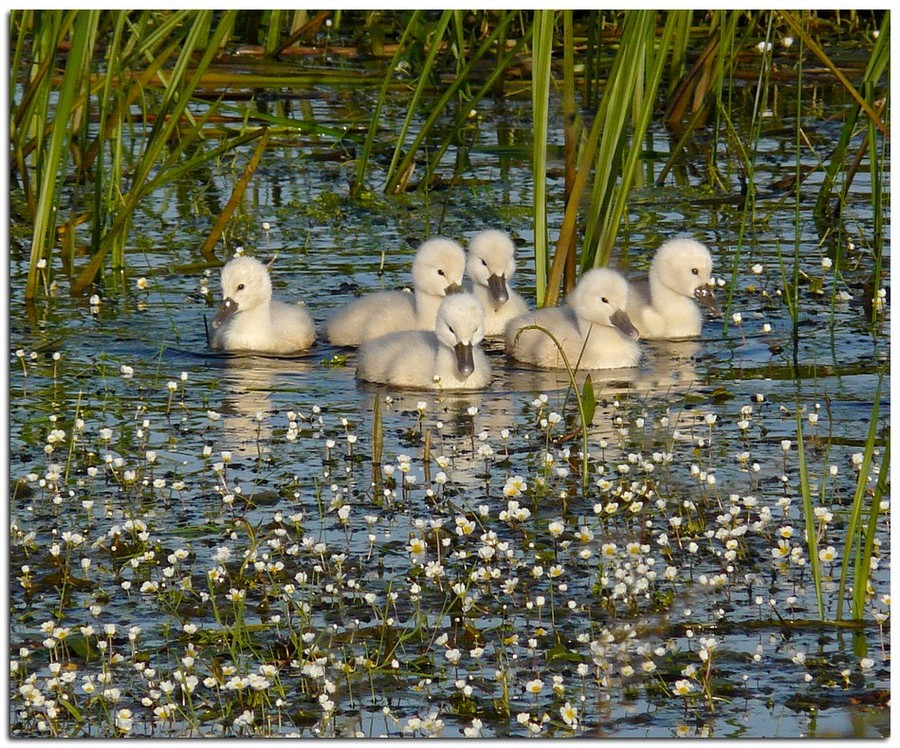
(175, 100)
(809, 519)
(643, 106)
(854, 526)
(878, 63)
(863, 569)
(798, 28)
(273, 33)
(490, 82)
(54, 163)
(362, 161)
(540, 96)
(400, 167)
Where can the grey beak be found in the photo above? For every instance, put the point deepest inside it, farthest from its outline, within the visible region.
(497, 287)
(453, 288)
(623, 322)
(226, 312)
(707, 299)
(465, 362)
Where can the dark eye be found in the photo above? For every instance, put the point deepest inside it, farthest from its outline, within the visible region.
(695, 271)
(484, 262)
(440, 272)
(452, 332)
(604, 300)
(240, 287)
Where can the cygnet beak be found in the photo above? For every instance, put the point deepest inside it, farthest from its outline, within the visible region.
(226, 312)
(623, 322)
(497, 287)
(707, 299)
(453, 288)
(465, 362)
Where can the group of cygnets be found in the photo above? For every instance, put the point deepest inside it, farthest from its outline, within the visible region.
(429, 339)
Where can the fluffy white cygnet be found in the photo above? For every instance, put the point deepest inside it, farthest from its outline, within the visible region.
(446, 358)
(592, 328)
(437, 271)
(665, 306)
(250, 320)
(490, 264)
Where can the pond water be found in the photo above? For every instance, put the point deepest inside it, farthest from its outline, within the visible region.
(207, 542)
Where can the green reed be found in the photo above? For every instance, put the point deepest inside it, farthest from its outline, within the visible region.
(153, 61)
(809, 519)
(860, 537)
(50, 135)
(611, 149)
(542, 51)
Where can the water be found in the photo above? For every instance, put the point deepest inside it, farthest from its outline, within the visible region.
(668, 437)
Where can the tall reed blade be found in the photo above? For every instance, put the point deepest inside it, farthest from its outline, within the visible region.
(362, 162)
(855, 546)
(878, 64)
(613, 144)
(53, 162)
(181, 83)
(862, 571)
(401, 166)
(540, 97)
(809, 519)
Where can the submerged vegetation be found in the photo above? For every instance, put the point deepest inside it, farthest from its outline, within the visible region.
(244, 546)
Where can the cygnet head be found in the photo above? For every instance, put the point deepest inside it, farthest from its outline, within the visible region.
(601, 297)
(491, 262)
(460, 327)
(685, 266)
(245, 285)
(438, 267)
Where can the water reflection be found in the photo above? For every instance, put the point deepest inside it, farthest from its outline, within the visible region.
(669, 366)
(248, 383)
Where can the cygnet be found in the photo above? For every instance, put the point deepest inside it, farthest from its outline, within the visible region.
(446, 358)
(593, 328)
(665, 305)
(490, 265)
(437, 271)
(250, 320)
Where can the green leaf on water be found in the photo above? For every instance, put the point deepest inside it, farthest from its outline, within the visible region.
(71, 709)
(80, 646)
(721, 394)
(588, 400)
(559, 652)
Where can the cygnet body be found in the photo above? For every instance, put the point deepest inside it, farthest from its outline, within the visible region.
(437, 271)
(490, 265)
(666, 305)
(446, 358)
(592, 328)
(250, 320)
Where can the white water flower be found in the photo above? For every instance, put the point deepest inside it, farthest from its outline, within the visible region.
(534, 686)
(474, 731)
(569, 714)
(684, 687)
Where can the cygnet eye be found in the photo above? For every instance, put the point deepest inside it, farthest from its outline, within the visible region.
(452, 331)
(441, 271)
(604, 300)
(240, 287)
(695, 271)
(484, 262)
